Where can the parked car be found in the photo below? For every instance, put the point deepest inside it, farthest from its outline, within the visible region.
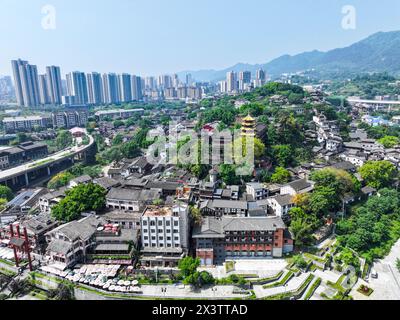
(374, 274)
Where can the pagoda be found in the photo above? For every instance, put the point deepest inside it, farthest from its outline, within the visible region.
(248, 127)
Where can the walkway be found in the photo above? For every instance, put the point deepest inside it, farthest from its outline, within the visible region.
(292, 285)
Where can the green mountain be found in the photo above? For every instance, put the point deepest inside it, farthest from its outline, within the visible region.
(379, 52)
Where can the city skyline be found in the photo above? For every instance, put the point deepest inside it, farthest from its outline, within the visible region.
(81, 89)
(188, 36)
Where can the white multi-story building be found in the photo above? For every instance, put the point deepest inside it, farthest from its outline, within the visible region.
(165, 227)
(15, 124)
(165, 234)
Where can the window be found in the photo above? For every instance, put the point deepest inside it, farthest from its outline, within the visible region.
(161, 238)
(145, 223)
(152, 223)
(160, 230)
(146, 238)
(176, 223)
(160, 223)
(168, 223)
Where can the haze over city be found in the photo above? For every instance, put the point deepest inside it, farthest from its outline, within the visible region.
(154, 37)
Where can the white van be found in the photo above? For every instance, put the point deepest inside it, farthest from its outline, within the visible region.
(374, 274)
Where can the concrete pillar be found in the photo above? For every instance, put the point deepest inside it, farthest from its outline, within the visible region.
(26, 179)
(48, 171)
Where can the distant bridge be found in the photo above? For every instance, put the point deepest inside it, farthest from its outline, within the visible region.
(383, 103)
(22, 176)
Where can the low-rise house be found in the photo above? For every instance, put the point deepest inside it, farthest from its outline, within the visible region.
(358, 158)
(219, 207)
(281, 204)
(126, 219)
(297, 187)
(140, 165)
(346, 166)
(256, 190)
(130, 200)
(107, 183)
(219, 239)
(36, 228)
(368, 191)
(69, 244)
(113, 240)
(50, 199)
(85, 179)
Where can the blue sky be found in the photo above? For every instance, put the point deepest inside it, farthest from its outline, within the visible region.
(163, 36)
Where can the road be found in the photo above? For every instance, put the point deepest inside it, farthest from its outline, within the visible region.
(6, 174)
(387, 285)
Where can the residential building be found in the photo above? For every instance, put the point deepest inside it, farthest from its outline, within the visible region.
(118, 113)
(220, 207)
(54, 88)
(26, 123)
(70, 119)
(281, 204)
(26, 83)
(77, 87)
(130, 200)
(165, 235)
(95, 88)
(230, 238)
(256, 190)
(69, 243)
(297, 187)
(125, 85)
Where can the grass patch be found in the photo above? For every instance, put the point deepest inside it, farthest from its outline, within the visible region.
(366, 291)
(9, 263)
(282, 282)
(312, 289)
(290, 294)
(230, 266)
(268, 280)
(8, 272)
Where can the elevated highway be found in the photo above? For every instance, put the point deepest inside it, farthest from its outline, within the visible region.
(22, 176)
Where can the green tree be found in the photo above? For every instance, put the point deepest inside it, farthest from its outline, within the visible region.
(188, 266)
(282, 154)
(228, 174)
(378, 174)
(118, 123)
(64, 292)
(299, 261)
(302, 226)
(389, 141)
(323, 201)
(196, 216)
(60, 180)
(281, 175)
(64, 139)
(84, 197)
(118, 139)
(3, 203)
(6, 193)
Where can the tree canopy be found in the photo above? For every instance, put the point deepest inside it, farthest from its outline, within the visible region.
(84, 197)
(378, 174)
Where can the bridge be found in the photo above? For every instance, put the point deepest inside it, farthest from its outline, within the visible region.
(379, 104)
(42, 169)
